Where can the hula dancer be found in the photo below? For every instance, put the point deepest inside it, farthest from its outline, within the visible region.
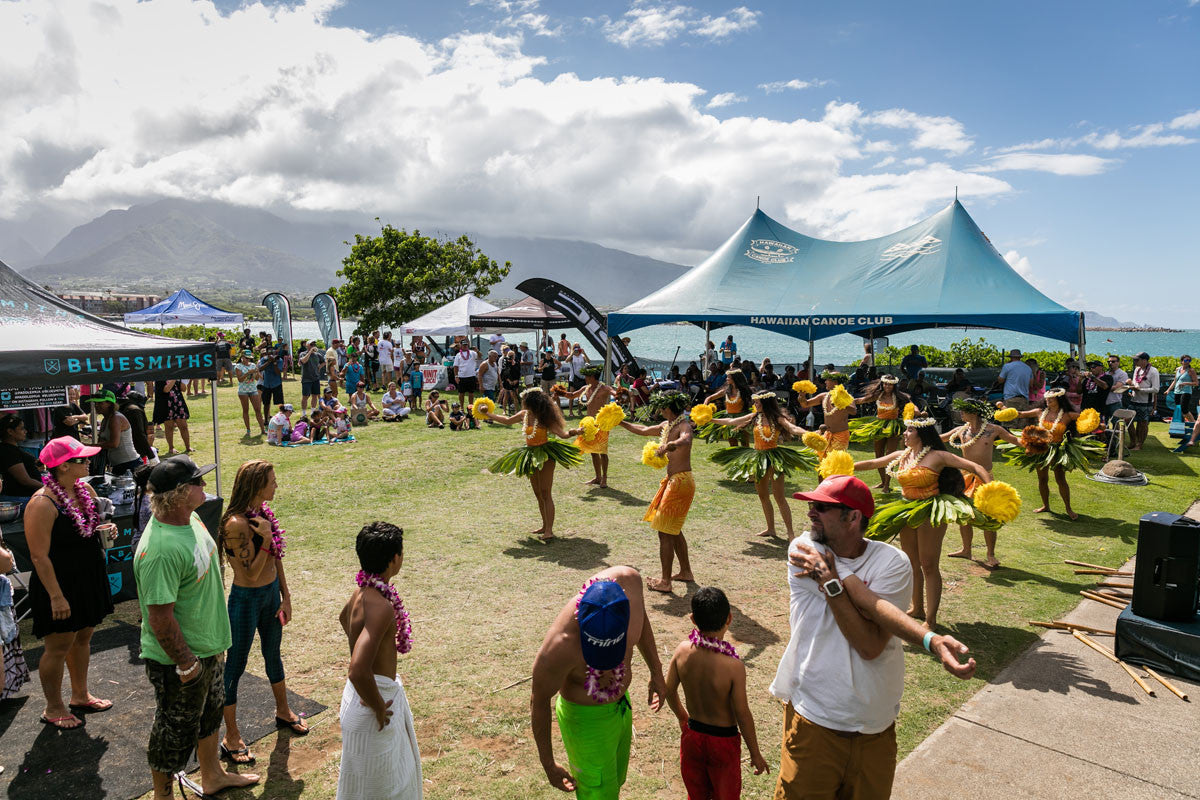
(976, 438)
(598, 395)
(1049, 445)
(669, 508)
(767, 463)
(540, 454)
(735, 391)
(885, 428)
(931, 487)
(837, 405)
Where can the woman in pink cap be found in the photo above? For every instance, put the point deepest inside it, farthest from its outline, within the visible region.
(69, 590)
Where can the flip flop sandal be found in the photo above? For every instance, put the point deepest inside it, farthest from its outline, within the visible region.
(291, 725)
(96, 706)
(232, 756)
(55, 722)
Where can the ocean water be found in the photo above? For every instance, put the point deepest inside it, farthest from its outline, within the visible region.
(686, 342)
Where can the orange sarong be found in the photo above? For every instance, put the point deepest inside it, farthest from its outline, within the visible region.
(598, 446)
(972, 481)
(669, 508)
(835, 441)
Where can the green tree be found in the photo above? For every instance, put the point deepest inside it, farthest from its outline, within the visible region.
(397, 276)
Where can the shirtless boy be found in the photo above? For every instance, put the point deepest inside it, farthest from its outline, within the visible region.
(380, 758)
(669, 508)
(598, 394)
(714, 685)
(976, 438)
(837, 420)
(587, 659)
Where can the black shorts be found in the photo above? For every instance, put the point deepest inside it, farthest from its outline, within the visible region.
(184, 713)
(310, 387)
(273, 395)
(466, 385)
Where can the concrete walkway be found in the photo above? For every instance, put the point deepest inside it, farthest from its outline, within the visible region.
(1062, 721)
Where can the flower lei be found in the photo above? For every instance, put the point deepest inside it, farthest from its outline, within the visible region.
(403, 625)
(907, 461)
(1053, 425)
(278, 541)
(530, 431)
(721, 646)
(85, 519)
(768, 432)
(591, 682)
(956, 437)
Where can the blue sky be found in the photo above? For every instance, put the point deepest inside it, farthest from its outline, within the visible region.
(1070, 128)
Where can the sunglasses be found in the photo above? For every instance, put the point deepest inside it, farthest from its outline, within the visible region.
(821, 508)
(196, 482)
(79, 460)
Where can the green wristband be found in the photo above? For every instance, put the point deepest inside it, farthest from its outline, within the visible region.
(928, 638)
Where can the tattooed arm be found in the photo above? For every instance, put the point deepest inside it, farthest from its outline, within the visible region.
(166, 630)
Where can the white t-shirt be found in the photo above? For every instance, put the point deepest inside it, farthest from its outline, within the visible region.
(577, 363)
(466, 363)
(393, 403)
(821, 674)
(385, 353)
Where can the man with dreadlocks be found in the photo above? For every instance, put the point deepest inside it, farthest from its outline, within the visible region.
(598, 394)
(669, 508)
(837, 412)
(976, 438)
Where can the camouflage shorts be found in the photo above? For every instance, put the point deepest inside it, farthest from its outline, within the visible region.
(184, 713)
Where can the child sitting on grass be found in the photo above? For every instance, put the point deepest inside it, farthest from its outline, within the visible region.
(458, 420)
(714, 685)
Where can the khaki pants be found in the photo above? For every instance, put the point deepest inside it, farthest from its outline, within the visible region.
(821, 764)
(1018, 402)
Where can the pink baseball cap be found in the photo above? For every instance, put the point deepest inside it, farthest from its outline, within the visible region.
(845, 490)
(59, 450)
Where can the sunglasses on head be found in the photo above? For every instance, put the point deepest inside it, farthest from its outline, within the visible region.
(821, 508)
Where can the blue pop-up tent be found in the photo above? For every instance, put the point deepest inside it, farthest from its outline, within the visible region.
(939, 272)
(183, 308)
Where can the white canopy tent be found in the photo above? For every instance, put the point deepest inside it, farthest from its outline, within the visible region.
(452, 319)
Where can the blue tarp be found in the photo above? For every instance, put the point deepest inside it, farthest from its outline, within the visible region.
(182, 308)
(940, 272)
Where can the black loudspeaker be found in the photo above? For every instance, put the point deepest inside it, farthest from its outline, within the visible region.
(1166, 579)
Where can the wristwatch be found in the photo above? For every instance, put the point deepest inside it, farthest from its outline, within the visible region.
(832, 587)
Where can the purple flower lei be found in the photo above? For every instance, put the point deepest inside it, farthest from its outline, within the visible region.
(403, 625)
(85, 519)
(278, 541)
(591, 682)
(721, 646)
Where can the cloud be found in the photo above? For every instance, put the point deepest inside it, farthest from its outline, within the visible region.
(1020, 263)
(1186, 121)
(934, 133)
(1150, 135)
(794, 83)
(648, 23)
(1060, 291)
(725, 99)
(1073, 164)
(299, 116)
(521, 15)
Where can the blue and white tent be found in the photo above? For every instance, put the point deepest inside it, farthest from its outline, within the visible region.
(183, 308)
(939, 272)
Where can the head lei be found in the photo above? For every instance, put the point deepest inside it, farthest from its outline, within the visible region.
(972, 406)
(674, 400)
(591, 371)
(840, 377)
(764, 396)
(531, 389)
(921, 422)
(733, 372)
(890, 380)
(1055, 393)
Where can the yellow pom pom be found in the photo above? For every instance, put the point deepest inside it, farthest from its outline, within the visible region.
(590, 427)
(650, 456)
(998, 500)
(610, 416)
(1089, 420)
(910, 411)
(804, 387)
(814, 441)
(1007, 415)
(482, 407)
(840, 397)
(839, 462)
(703, 413)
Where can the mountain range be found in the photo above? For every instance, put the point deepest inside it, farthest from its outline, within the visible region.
(157, 247)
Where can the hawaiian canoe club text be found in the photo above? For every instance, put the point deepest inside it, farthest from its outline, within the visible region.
(865, 321)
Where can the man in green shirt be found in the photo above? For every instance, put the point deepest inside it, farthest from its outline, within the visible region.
(185, 629)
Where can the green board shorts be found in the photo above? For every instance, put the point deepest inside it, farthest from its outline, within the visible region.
(597, 740)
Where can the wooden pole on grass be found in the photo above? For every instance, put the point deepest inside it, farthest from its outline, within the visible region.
(1108, 601)
(1115, 660)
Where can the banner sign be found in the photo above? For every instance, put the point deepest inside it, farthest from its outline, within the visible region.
(281, 316)
(33, 397)
(328, 321)
(574, 307)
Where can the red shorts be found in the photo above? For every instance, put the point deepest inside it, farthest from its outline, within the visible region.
(711, 765)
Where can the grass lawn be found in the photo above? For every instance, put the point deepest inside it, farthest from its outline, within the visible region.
(481, 593)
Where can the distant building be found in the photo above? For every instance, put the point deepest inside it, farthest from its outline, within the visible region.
(109, 302)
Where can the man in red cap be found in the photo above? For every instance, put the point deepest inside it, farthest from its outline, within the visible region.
(842, 673)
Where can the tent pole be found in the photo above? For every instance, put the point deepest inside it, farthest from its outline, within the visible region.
(607, 358)
(812, 366)
(707, 336)
(1082, 342)
(216, 438)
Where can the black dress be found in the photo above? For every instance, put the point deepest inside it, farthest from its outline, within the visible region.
(169, 405)
(79, 566)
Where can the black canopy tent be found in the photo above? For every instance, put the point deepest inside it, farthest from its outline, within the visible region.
(527, 314)
(45, 341)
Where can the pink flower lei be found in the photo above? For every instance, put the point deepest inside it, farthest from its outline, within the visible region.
(591, 682)
(85, 519)
(278, 541)
(403, 625)
(721, 646)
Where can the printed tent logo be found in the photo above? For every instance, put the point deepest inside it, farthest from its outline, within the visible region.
(771, 251)
(52, 366)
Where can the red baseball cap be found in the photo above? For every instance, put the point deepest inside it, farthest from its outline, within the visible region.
(59, 450)
(845, 490)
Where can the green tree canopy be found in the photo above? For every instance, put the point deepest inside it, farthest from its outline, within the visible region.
(397, 276)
